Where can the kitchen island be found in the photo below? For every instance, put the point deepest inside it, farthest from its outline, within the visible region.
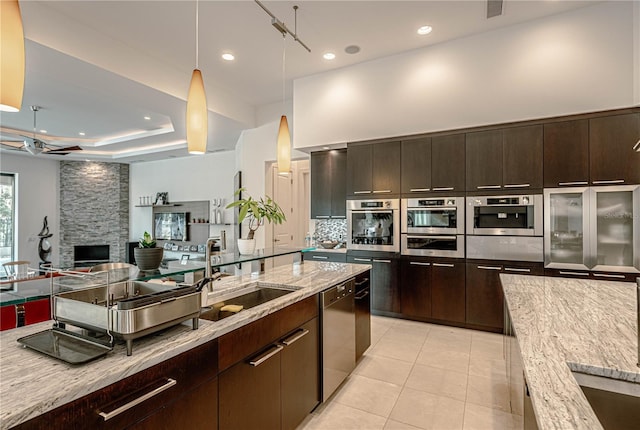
(32, 384)
(570, 325)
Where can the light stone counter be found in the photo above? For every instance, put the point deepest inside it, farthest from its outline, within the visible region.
(569, 324)
(32, 383)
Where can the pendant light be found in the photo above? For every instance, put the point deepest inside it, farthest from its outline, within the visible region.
(11, 56)
(284, 137)
(197, 106)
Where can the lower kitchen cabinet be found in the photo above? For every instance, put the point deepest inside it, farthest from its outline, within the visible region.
(485, 300)
(585, 274)
(363, 313)
(319, 256)
(182, 393)
(385, 296)
(277, 385)
(415, 287)
(448, 290)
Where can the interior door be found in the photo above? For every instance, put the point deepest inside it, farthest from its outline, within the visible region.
(283, 234)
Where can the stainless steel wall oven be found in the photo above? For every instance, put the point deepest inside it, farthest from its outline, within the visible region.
(373, 225)
(505, 215)
(433, 227)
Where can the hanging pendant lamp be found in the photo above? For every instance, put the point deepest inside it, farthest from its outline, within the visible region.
(11, 56)
(197, 107)
(283, 146)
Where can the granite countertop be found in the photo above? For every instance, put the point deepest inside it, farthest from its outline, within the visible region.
(564, 325)
(32, 383)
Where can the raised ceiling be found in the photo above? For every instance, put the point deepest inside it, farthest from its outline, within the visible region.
(100, 67)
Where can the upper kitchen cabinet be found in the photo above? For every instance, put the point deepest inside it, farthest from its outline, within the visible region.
(506, 159)
(611, 156)
(566, 153)
(328, 184)
(433, 164)
(373, 169)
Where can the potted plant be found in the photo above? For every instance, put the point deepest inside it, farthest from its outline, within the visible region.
(147, 256)
(257, 211)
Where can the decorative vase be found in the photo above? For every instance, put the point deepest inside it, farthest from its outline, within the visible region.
(148, 258)
(246, 246)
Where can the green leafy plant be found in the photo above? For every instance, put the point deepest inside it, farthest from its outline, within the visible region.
(257, 211)
(147, 241)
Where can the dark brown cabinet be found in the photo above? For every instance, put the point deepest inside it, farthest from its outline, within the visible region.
(182, 390)
(485, 300)
(566, 153)
(415, 287)
(373, 169)
(505, 159)
(612, 159)
(448, 290)
(385, 297)
(335, 257)
(329, 184)
(433, 164)
(271, 375)
(362, 301)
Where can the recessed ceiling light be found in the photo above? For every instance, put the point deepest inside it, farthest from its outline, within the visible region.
(43, 131)
(352, 49)
(329, 56)
(81, 133)
(147, 118)
(228, 57)
(425, 29)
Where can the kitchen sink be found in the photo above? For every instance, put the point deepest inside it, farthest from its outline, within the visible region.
(232, 303)
(616, 403)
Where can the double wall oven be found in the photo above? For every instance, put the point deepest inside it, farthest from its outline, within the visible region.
(373, 225)
(433, 227)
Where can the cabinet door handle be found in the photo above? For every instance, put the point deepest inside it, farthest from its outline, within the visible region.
(319, 257)
(443, 188)
(417, 190)
(366, 260)
(614, 181)
(362, 192)
(364, 281)
(299, 334)
(381, 261)
(488, 187)
(108, 415)
(418, 263)
(564, 184)
(490, 267)
(517, 269)
(323, 216)
(381, 191)
(562, 272)
(362, 295)
(607, 275)
(264, 357)
(517, 185)
(338, 216)
(442, 265)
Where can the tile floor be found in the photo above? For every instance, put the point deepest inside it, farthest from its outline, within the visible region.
(422, 376)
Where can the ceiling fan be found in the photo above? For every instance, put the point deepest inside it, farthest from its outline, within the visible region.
(35, 146)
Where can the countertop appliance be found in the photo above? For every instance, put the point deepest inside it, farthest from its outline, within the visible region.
(433, 227)
(338, 335)
(593, 228)
(373, 225)
(363, 313)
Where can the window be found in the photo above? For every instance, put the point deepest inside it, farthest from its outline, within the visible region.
(7, 217)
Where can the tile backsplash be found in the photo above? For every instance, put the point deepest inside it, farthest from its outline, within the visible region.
(331, 229)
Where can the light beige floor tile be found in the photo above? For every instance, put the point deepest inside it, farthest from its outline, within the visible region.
(438, 381)
(446, 333)
(428, 411)
(491, 392)
(482, 418)
(384, 369)
(487, 367)
(455, 344)
(413, 325)
(403, 334)
(396, 349)
(397, 425)
(444, 359)
(484, 336)
(339, 416)
(369, 395)
(487, 349)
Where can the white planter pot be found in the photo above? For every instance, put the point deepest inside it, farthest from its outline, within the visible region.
(246, 246)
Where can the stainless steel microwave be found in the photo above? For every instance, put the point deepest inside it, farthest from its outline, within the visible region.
(434, 215)
(516, 215)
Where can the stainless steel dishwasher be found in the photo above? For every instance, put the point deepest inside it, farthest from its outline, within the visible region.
(338, 335)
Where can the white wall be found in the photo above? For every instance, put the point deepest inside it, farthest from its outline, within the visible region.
(574, 62)
(202, 177)
(37, 193)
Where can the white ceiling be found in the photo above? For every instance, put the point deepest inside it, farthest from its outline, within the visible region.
(100, 66)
